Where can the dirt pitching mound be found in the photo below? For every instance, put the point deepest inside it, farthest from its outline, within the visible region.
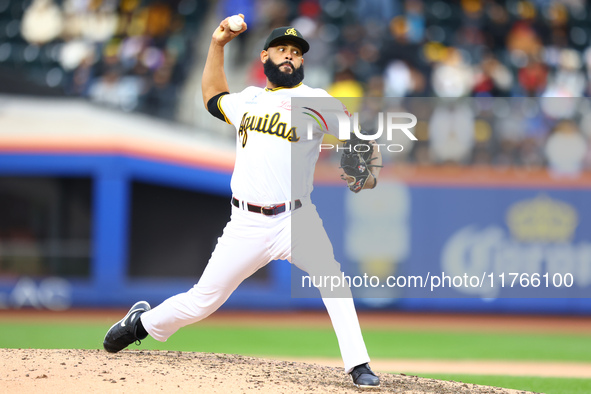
(96, 371)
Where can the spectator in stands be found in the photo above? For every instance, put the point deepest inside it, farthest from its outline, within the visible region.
(451, 132)
(565, 150)
(42, 22)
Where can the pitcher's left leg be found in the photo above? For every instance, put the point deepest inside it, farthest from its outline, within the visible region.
(312, 252)
(346, 326)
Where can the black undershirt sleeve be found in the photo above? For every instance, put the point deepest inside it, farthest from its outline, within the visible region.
(215, 109)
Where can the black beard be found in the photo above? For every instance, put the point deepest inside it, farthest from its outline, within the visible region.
(281, 79)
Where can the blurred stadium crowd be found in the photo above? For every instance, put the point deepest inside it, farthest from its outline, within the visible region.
(124, 54)
(140, 56)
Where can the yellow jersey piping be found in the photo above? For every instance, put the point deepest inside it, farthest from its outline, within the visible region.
(282, 87)
(222, 111)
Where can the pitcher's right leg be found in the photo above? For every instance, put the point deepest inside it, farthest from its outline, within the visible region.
(239, 253)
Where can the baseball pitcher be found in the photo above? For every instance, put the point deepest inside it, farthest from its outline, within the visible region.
(264, 200)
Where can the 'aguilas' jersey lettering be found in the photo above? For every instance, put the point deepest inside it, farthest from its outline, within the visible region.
(266, 125)
(262, 123)
(242, 131)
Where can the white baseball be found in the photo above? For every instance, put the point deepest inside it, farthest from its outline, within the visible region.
(235, 23)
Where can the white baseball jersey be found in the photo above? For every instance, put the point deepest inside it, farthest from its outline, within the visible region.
(275, 160)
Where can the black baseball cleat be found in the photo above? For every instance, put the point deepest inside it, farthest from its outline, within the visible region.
(124, 332)
(363, 377)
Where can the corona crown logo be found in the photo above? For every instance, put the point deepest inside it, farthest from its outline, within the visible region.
(542, 219)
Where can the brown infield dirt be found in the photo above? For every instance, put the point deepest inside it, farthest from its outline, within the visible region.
(96, 371)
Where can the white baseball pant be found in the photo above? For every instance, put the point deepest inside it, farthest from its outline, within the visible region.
(250, 241)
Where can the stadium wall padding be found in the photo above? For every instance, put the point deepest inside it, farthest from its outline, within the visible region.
(432, 219)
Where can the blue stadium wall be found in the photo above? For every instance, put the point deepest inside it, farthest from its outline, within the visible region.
(436, 215)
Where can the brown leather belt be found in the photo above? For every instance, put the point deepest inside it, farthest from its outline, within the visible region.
(267, 210)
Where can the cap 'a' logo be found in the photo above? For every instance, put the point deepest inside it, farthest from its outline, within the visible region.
(291, 32)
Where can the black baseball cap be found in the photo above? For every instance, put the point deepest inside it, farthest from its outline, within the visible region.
(287, 33)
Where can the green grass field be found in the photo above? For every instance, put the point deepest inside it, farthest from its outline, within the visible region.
(308, 342)
(536, 384)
